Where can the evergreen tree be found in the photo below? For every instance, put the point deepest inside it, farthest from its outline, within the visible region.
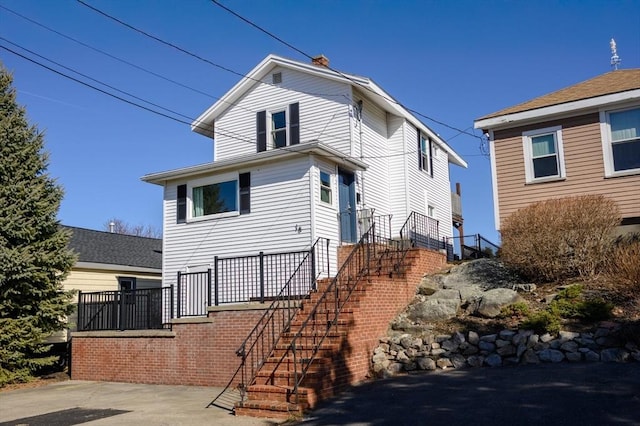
(34, 258)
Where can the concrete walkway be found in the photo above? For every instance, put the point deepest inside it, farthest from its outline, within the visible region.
(74, 402)
(550, 394)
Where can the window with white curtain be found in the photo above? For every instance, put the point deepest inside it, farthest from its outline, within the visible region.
(621, 141)
(544, 160)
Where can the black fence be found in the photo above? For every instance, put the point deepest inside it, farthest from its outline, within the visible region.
(256, 278)
(142, 309)
(471, 247)
(422, 231)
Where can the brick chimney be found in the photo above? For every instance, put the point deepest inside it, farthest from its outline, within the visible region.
(321, 61)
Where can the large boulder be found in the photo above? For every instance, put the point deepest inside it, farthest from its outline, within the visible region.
(433, 310)
(486, 273)
(493, 301)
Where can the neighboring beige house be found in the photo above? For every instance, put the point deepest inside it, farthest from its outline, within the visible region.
(584, 139)
(109, 261)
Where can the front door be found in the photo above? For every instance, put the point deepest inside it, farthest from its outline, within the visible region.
(347, 200)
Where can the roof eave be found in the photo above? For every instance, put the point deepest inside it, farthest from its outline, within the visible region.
(538, 114)
(274, 155)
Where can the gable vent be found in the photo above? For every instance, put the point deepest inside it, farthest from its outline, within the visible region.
(276, 78)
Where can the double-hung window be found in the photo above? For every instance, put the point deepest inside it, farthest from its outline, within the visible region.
(621, 142)
(543, 153)
(278, 128)
(325, 187)
(424, 154)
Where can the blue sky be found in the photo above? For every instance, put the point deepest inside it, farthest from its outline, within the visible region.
(451, 60)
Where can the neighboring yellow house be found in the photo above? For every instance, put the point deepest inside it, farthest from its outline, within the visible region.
(584, 139)
(109, 261)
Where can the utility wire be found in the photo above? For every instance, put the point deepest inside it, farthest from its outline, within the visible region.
(387, 98)
(95, 49)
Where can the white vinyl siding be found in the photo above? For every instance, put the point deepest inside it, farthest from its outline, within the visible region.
(426, 190)
(324, 117)
(280, 205)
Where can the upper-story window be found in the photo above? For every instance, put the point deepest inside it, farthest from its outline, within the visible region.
(425, 157)
(621, 142)
(278, 128)
(543, 154)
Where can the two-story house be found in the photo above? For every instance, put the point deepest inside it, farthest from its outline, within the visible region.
(301, 151)
(584, 139)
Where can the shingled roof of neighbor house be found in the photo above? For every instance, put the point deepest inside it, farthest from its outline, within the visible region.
(115, 249)
(605, 84)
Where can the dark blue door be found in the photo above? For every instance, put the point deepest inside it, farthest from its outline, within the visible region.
(347, 200)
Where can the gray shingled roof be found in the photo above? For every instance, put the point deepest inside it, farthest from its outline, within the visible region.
(115, 249)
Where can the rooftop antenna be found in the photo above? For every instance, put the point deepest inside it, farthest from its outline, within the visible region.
(615, 59)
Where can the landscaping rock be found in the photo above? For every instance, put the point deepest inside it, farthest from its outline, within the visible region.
(473, 337)
(614, 355)
(434, 310)
(493, 360)
(550, 355)
(426, 364)
(493, 301)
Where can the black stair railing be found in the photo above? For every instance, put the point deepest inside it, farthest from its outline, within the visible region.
(324, 317)
(265, 335)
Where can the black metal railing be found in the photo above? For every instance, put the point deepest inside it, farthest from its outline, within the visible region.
(364, 218)
(255, 278)
(325, 316)
(422, 231)
(141, 309)
(470, 247)
(264, 337)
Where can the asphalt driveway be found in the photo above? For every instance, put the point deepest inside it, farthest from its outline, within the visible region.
(550, 394)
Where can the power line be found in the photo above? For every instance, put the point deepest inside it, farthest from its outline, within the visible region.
(387, 98)
(102, 52)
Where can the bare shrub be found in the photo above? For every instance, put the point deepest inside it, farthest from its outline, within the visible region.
(624, 267)
(561, 238)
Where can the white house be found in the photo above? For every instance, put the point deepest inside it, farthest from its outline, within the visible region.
(301, 151)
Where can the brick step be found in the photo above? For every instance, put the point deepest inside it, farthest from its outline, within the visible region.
(306, 396)
(280, 364)
(288, 378)
(305, 350)
(268, 409)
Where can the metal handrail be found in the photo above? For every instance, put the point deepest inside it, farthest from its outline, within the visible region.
(268, 319)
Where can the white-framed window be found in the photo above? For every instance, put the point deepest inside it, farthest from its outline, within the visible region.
(326, 193)
(279, 128)
(425, 153)
(543, 152)
(621, 141)
(210, 197)
(431, 211)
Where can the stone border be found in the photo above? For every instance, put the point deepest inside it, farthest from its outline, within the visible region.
(404, 352)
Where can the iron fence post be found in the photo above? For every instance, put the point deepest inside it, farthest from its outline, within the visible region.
(261, 277)
(208, 287)
(216, 297)
(80, 309)
(313, 268)
(121, 308)
(171, 299)
(328, 263)
(179, 295)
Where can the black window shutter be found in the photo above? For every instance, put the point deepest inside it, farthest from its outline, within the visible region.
(431, 157)
(245, 192)
(181, 213)
(294, 124)
(420, 165)
(261, 126)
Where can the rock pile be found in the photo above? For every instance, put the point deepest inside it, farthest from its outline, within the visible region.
(405, 352)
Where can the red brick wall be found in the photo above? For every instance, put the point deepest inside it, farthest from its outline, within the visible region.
(194, 354)
(383, 299)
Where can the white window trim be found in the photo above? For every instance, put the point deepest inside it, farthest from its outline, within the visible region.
(426, 165)
(528, 154)
(208, 181)
(331, 202)
(607, 147)
(271, 143)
